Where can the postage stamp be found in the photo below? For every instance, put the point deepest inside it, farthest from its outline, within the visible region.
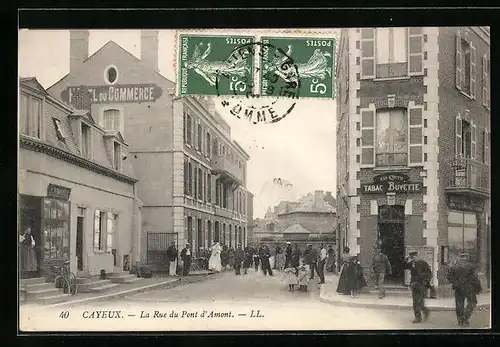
(208, 67)
(314, 59)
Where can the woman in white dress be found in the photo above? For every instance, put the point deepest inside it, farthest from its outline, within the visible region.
(214, 263)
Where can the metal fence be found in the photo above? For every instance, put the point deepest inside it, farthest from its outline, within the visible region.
(157, 244)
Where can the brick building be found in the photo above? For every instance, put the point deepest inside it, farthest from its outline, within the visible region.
(413, 154)
(76, 191)
(192, 175)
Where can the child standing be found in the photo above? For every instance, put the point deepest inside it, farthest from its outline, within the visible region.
(291, 278)
(304, 273)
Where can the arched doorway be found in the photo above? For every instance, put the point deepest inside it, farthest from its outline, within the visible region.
(391, 239)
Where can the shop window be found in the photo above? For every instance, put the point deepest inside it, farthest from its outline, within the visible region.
(392, 137)
(462, 234)
(100, 219)
(86, 141)
(56, 229)
(30, 110)
(61, 135)
(112, 119)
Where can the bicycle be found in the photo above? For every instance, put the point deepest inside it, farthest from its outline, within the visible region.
(65, 279)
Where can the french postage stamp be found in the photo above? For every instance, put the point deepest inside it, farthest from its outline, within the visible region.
(314, 59)
(208, 67)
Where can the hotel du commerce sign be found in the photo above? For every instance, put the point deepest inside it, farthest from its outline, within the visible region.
(391, 183)
(113, 94)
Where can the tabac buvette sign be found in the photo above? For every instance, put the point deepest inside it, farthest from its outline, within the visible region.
(391, 183)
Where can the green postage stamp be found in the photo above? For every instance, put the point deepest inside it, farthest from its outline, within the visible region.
(208, 65)
(312, 61)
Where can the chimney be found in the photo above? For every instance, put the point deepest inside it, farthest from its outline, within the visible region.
(149, 48)
(78, 48)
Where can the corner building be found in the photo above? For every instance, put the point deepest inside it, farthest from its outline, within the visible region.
(191, 174)
(413, 146)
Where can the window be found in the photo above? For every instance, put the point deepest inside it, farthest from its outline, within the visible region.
(111, 75)
(486, 81)
(209, 187)
(200, 138)
(209, 153)
(391, 45)
(486, 146)
(55, 229)
(462, 233)
(190, 179)
(30, 110)
(99, 230)
(392, 141)
(215, 147)
(190, 230)
(195, 184)
(117, 156)
(188, 134)
(186, 177)
(61, 136)
(112, 119)
(86, 141)
(111, 230)
(465, 69)
(200, 183)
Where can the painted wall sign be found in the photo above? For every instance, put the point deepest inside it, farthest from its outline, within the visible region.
(58, 192)
(464, 203)
(391, 183)
(114, 94)
(395, 177)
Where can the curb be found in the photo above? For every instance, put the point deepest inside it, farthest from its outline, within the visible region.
(123, 292)
(322, 298)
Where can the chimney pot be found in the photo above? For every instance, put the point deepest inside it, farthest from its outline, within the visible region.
(149, 48)
(78, 47)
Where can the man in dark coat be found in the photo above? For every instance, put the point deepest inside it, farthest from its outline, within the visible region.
(421, 275)
(465, 282)
(296, 256)
(172, 259)
(264, 258)
(381, 266)
(311, 259)
(288, 254)
(186, 256)
(239, 255)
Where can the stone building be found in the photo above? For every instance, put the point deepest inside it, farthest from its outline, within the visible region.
(192, 174)
(77, 191)
(413, 117)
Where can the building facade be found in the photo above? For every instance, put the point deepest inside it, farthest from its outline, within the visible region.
(192, 175)
(76, 191)
(413, 145)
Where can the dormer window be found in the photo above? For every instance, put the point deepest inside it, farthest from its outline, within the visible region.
(117, 156)
(30, 109)
(112, 119)
(61, 136)
(86, 149)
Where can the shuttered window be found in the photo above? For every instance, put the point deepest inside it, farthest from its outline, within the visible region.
(486, 146)
(465, 65)
(415, 138)
(472, 70)
(367, 53)
(473, 138)
(186, 177)
(368, 137)
(486, 81)
(415, 51)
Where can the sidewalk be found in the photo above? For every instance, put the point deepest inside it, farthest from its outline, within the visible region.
(328, 294)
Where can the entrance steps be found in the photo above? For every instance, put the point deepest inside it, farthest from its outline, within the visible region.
(39, 291)
(393, 290)
(124, 277)
(93, 285)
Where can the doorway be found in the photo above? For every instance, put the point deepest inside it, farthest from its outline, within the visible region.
(391, 235)
(79, 242)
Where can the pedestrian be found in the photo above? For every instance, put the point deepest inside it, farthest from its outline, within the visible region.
(29, 263)
(224, 257)
(186, 256)
(330, 260)
(357, 279)
(266, 266)
(288, 254)
(295, 258)
(172, 255)
(420, 280)
(256, 261)
(239, 256)
(247, 261)
(280, 260)
(304, 276)
(342, 286)
(291, 278)
(321, 263)
(214, 263)
(231, 257)
(465, 282)
(310, 257)
(381, 266)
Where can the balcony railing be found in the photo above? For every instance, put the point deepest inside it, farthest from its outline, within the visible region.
(469, 175)
(392, 159)
(224, 166)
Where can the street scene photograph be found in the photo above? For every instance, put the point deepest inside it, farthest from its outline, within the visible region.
(254, 179)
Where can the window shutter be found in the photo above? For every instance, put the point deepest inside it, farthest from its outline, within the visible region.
(486, 146)
(97, 227)
(473, 137)
(368, 137)
(367, 53)
(415, 135)
(458, 136)
(458, 62)
(484, 81)
(415, 51)
(472, 71)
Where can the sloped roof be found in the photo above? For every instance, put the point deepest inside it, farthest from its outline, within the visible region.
(296, 229)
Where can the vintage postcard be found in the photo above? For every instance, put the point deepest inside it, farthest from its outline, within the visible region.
(254, 179)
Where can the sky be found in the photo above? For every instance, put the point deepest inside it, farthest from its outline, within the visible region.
(300, 149)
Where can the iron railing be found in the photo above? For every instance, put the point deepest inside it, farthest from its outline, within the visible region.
(467, 173)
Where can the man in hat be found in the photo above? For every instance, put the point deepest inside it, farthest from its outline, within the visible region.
(172, 259)
(420, 280)
(186, 256)
(465, 282)
(310, 258)
(381, 266)
(239, 255)
(288, 253)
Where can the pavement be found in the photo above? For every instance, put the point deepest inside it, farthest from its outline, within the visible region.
(226, 302)
(328, 294)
